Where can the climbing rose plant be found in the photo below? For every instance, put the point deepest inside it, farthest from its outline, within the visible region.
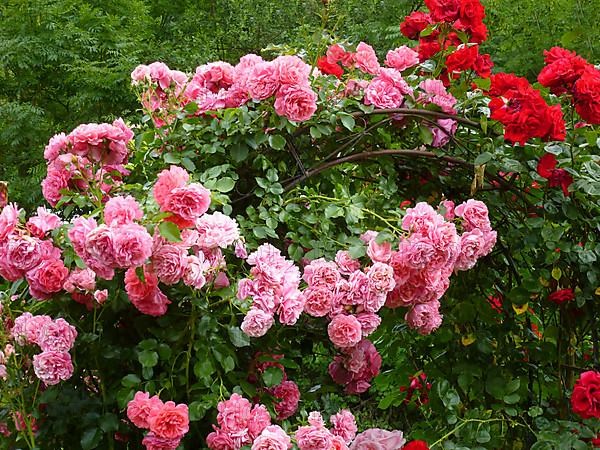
(302, 233)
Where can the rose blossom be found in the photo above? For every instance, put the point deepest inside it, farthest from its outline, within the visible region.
(288, 396)
(368, 322)
(313, 438)
(145, 295)
(57, 336)
(170, 421)
(378, 439)
(474, 214)
(402, 58)
(43, 222)
(585, 399)
(8, 219)
(189, 202)
(101, 296)
(121, 211)
(51, 367)
(257, 322)
(366, 59)
(321, 273)
(272, 438)
(132, 245)
(216, 230)
(346, 263)
(297, 103)
(424, 317)
(168, 180)
(154, 442)
(219, 440)
(47, 278)
(344, 331)
(170, 263)
(142, 407)
(381, 277)
(344, 425)
(263, 81)
(317, 301)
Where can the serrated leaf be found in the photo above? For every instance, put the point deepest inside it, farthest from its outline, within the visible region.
(169, 231)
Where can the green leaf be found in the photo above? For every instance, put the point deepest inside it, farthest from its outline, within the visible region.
(169, 231)
(170, 158)
(148, 358)
(204, 368)
(130, 380)
(224, 184)
(272, 376)
(239, 152)
(277, 142)
(483, 158)
(90, 439)
(348, 121)
(238, 337)
(426, 134)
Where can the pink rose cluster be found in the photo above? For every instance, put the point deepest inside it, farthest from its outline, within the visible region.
(355, 367)
(220, 85)
(274, 287)
(28, 252)
(54, 337)
(166, 423)
(240, 424)
(122, 243)
(92, 154)
(431, 252)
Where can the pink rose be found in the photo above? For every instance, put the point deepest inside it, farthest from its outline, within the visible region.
(139, 74)
(344, 425)
(9, 217)
(263, 80)
(220, 440)
(145, 295)
(170, 421)
(321, 273)
(196, 268)
(381, 277)
(47, 278)
(51, 367)
(424, 317)
(216, 230)
(369, 322)
(57, 145)
(344, 331)
(99, 245)
(141, 408)
(436, 93)
(318, 301)
(215, 76)
(101, 296)
(474, 214)
(43, 222)
(346, 263)
(379, 252)
(377, 439)
(313, 438)
(170, 263)
(297, 103)
(234, 413)
(57, 336)
(291, 308)
(257, 322)
(168, 180)
(132, 245)
(446, 208)
(366, 59)
(443, 132)
(402, 58)
(292, 70)
(121, 211)
(27, 328)
(258, 421)
(387, 90)
(23, 252)
(189, 202)
(272, 438)
(154, 442)
(80, 279)
(471, 243)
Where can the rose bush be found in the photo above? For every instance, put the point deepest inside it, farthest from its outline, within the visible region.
(277, 237)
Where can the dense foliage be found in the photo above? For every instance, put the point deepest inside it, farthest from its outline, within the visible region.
(305, 232)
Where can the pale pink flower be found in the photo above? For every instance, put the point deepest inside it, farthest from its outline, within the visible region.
(435, 92)
(344, 331)
(379, 252)
(3, 372)
(402, 58)
(443, 132)
(188, 202)
(448, 207)
(101, 296)
(9, 217)
(145, 295)
(377, 439)
(196, 268)
(291, 70)
(215, 76)
(313, 438)
(140, 74)
(80, 279)
(57, 145)
(240, 249)
(320, 272)
(257, 322)
(153, 442)
(346, 264)
(263, 80)
(344, 425)
(43, 222)
(369, 322)
(51, 367)
(474, 214)
(272, 438)
(316, 419)
(317, 301)
(216, 230)
(170, 263)
(258, 421)
(47, 278)
(57, 336)
(220, 440)
(471, 244)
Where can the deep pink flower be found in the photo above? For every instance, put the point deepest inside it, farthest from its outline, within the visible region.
(141, 408)
(52, 366)
(344, 331)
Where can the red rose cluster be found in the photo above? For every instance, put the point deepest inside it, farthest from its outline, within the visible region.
(585, 399)
(556, 177)
(568, 73)
(463, 17)
(523, 111)
(561, 296)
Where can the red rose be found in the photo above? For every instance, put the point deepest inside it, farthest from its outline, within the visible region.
(586, 93)
(416, 445)
(557, 177)
(415, 23)
(462, 59)
(444, 10)
(483, 66)
(562, 296)
(329, 68)
(585, 399)
(563, 69)
(471, 13)
(428, 46)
